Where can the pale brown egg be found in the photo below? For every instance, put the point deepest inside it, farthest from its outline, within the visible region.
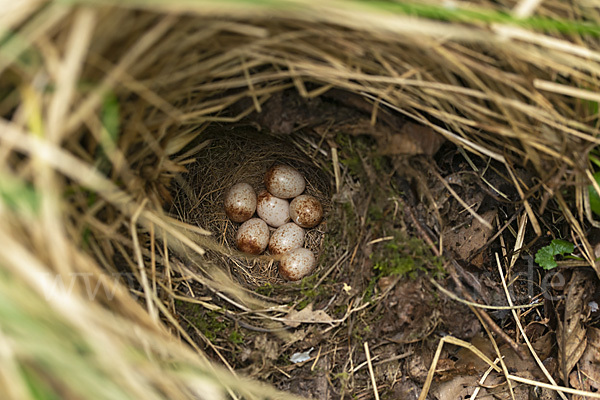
(253, 236)
(286, 238)
(240, 202)
(297, 264)
(284, 181)
(306, 211)
(273, 210)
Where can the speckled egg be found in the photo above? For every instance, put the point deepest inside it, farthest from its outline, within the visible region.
(286, 238)
(253, 236)
(240, 202)
(273, 210)
(297, 264)
(306, 211)
(284, 181)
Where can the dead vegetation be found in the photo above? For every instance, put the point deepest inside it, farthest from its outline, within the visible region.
(449, 141)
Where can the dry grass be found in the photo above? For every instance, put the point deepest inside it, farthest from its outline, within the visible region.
(98, 99)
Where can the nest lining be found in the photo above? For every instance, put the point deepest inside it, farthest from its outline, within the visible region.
(242, 154)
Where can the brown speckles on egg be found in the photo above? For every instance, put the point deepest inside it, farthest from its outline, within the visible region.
(284, 181)
(240, 202)
(286, 238)
(253, 236)
(273, 210)
(306, 211)
(297, 264)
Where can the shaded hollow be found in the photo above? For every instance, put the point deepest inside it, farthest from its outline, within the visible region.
(106, 112)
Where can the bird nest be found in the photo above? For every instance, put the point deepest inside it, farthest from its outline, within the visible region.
(242, 154)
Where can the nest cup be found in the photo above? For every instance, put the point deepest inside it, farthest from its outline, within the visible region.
(242, 154)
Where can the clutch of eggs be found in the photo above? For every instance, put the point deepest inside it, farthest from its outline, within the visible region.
(252, 236)
(284, 181)
(297, 264)
(286, 238)
(240, 202)
(275, 210)
(306, 211)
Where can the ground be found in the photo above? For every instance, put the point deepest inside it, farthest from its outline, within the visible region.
(418, 233)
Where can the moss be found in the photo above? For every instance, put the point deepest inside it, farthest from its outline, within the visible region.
(381, 164)
(362, 330)
(345, 225)
(354, 165)
(405, 256)
(370, 289)
(359, 148)
(375, 213)
(211, 323)
(342, 376)
(340, 310)
(303, 303)
(310, 291)
(266, 290)
(236, 337)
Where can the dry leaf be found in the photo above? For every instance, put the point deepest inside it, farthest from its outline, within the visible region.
(469, 238)
(467, 361)
(408, 140)
(290, 337)
(268, 348)
(461, 387)
(588, 376)
(307, 315)
(543, 345)
(570, 333)
(412, 139)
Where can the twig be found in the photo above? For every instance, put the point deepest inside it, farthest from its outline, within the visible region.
(490, 240)
(371, 371)
(422, 234)
(438, 352)
(461, 201)
(519, 244)
(478, 353)
(336, 168)
(450, 267)
(138, 254)
(482, 380)
(479, 305)
(484, 315)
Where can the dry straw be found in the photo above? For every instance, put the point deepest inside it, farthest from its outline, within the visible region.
(98, 99)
